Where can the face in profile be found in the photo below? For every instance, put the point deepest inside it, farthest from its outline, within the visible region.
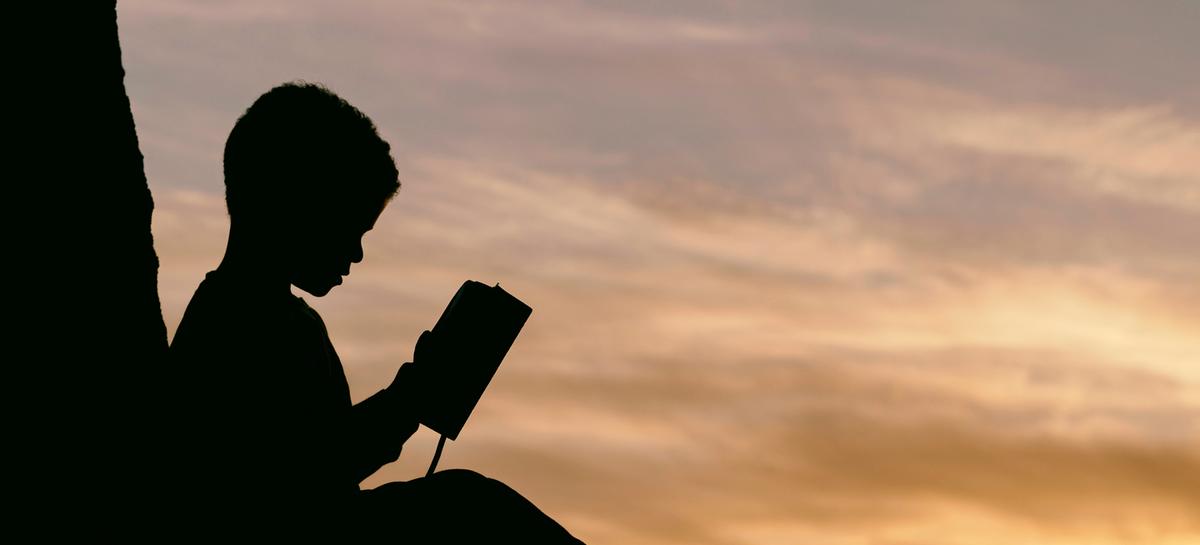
(329, 242)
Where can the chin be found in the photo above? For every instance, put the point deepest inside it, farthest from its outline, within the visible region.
(317, 292)
(317, 289)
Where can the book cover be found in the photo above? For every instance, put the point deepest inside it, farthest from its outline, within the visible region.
(474, 334)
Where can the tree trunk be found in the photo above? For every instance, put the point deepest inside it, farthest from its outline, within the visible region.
(90, 344)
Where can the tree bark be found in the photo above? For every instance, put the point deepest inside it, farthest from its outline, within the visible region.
(90, 344)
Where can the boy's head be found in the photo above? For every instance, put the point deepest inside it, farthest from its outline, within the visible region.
(306, 175)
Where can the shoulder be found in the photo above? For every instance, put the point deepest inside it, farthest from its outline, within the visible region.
(309, 314)
(224, 315)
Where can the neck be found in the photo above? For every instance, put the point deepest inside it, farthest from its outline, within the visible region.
(248, 259)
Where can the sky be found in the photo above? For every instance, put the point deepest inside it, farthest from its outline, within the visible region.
(802, 272)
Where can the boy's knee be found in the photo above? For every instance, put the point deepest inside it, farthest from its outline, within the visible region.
(459, 477)
(465, 479)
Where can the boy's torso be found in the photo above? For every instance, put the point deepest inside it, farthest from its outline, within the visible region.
(260, 389)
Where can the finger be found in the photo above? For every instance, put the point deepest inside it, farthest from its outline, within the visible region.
(422, 345)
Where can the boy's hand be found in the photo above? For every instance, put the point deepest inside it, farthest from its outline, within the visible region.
(411, 379)
(426, 351)
(404, 389)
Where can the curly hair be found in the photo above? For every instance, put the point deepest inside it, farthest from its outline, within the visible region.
(302, 144)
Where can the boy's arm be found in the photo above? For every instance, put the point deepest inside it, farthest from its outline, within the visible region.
(381, 424)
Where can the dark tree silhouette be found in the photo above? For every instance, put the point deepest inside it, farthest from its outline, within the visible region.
(88, 340)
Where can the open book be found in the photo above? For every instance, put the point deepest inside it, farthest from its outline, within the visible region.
(474, 334)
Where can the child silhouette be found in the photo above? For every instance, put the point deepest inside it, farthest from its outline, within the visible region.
(267, 426)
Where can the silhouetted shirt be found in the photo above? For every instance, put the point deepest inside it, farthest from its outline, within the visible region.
(264, 406)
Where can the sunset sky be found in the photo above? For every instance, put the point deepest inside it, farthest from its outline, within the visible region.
(802, 272)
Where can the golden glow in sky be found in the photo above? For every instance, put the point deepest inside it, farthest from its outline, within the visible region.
(829, 272)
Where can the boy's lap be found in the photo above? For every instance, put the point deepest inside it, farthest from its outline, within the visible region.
(438, 496)
(454, 505)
